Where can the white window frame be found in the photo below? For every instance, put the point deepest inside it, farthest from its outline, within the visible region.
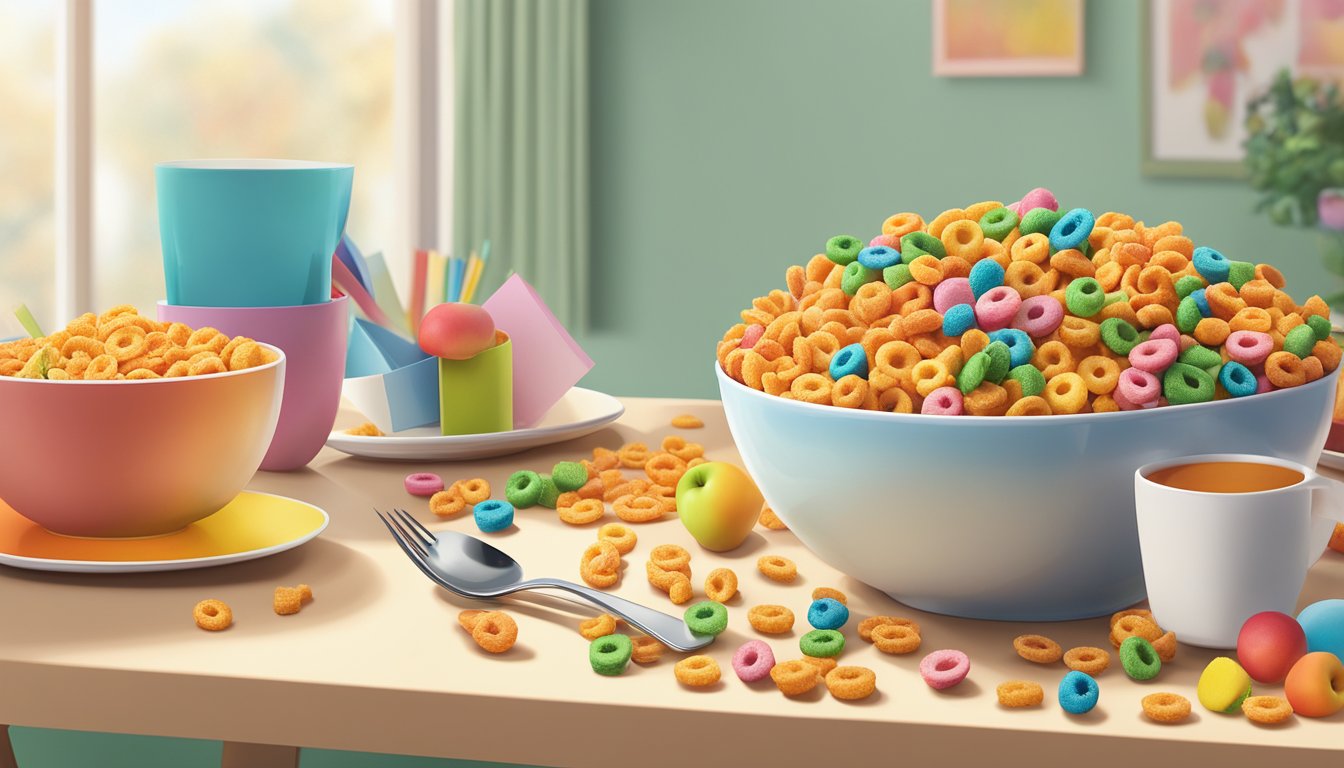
(423, 35)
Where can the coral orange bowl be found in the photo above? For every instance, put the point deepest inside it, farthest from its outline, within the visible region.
(134, 458)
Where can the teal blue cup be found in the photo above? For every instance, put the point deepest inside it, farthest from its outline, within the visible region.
(250, 233)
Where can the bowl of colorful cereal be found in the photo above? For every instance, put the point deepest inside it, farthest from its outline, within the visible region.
(121, 426)
(881, 401)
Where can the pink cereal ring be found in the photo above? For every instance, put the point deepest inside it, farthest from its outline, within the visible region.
(1039, 197)
(944, 669)
(1039, 316)
(890, 241)
(1262, 384)
(423, 484)
(1166, 331)
(753, 334)
(1137, 387)
(753, 661)
(1154, 355)
(997, 307)
(943, 401)
(951, 292)
(1249, 347)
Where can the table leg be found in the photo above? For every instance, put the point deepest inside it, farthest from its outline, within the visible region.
(7, 759)
(242, 755)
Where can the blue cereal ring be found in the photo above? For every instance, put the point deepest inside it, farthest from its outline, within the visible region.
(855, 277)
(1237, 379)
(1078, 693)
(493, 515)
(843, 249)
(852, 359)
(1020, 348)
(986, 275)
(879, 257)
(1211, 265)
(1072, 229)
(827, 613)
(918, 243)
(958, 319)
(1201, 303)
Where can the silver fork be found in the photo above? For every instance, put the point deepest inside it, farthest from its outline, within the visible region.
(467, 566)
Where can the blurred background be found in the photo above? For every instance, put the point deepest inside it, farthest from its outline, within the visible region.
(653, 165)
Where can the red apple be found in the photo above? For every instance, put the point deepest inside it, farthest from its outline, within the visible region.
(1269, 644)
(456, 331)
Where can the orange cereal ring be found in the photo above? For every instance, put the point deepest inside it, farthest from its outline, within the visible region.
(1141, 612)
(495, 631)
(770, 619)
(1212, 331)
(977, 211)
(665, 468)
(447, 502)
(633, 455)
(1088, 660)
(288, 600)
(895, 400)
(205, 365)
(926, 270)
(1053, 358)
(871, 301)
(582, 512)
(1258, 294)
(955, 266)
(1251, 319)
(777, 568)
(1134, 626)
(1271, 275)
(467, 619)
(645, 650)
(1033, 248)
(1033, 405)
(1072, 263)
(620, 536)
(212, 615)
(1267, 710)
(795, 677)
(598, 626)
(987, 399)
(1099, 373)
(1313, 368)
(1165, 647)
(895, 638)
(867, 626)
(102, 367)
(1017, 694)
(207, 340)
(811, 388)
(671, 557)
(638, 509)
(697, 671)
(721, 585)
(962, 239)
(849, 392)
(922, 321)
(136, 374)
(910, 297)
(1153, 315)
(1284, 369)
(901, 224)
(1079, 332)
(1038, 648)
(89, 346)
(179, 333)
(248, 354)
(633, 487)
(1166, 707)
(929, 375)
(687, 421)
(601, 557)
(771, 521)
(834, 594)
(157, 343)
(126, 343)
(1224, 301)
(1028, 279)
(677, 446)
(852, 683)
(823, 665)
(1328, 352)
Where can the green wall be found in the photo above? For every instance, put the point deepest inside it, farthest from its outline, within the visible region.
(731, 138)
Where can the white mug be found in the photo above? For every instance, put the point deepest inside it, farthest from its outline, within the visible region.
(1211, 560)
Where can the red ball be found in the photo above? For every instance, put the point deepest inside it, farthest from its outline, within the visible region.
(456, 331)
(1269, 644)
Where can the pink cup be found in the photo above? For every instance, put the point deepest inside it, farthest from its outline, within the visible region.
(313, 337)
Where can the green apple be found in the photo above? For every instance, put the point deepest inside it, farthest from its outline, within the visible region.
(719, 504)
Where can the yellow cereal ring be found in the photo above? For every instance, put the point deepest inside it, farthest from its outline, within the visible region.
(1078, 332)
(721, 585)
(1027, 279)
(212, 615)
(1053, 358)
(1066, 393)
(926, 270)
(941, 221)
(871, 623)
(962, 239)
(929, 375)
(448, 502)
(1033, 248)
(987, 399)
(1033, 405)
(901, 224)
(1100, 374)
(582, 512)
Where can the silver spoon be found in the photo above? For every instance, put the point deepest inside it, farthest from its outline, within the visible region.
(467, 566)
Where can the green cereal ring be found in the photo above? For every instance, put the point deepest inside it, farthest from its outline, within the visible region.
(856, 276)
(897, 275)
(1139, 658)
(822, 643)
(610, 654)
(1188, 315)
(1240, 273)
(1030, 377)
(1084, 296)
(973, 372)
(1118, 335)
(569, 476)
(918, 243)
(1115, 296)
(1320, 325)
(1039, 220)
(523, 489)
(549, 493)
(1201, 357)
(843, 249)
(998, 223)
(1188, 285)
(1300, 340)
(1184, 383)
(1000, 361)
(707, 618)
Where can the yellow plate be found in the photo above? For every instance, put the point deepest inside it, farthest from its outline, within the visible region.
(252, 525)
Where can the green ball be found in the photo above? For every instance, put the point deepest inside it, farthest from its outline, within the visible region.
(549, 493)
(569, 476)
(610, 654)
(1320, 325)
(973, 372)
(1039, 220)
(523, 489)
(998, 223)
(822, 643)
(1084, 296)
(1030, 377)
(917, 244)
(843, 249)
(1139, 658)
(1240, 273)
(1184, 384)
(1188, 315)
(1000, 360)
(1118, 335)
(897, 275)
(1300, 340)
(1188, 285)
(707, 618)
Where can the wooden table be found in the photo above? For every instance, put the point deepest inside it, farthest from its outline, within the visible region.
(378, 663)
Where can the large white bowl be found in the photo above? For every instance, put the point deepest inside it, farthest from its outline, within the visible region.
(1019, 519)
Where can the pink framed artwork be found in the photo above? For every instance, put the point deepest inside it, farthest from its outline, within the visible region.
(1007, 38)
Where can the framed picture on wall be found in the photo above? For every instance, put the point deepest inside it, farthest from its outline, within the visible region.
(1203, 59)
(1007, 38)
